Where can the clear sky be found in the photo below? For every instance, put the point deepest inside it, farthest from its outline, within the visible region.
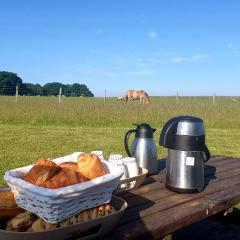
(160, 46)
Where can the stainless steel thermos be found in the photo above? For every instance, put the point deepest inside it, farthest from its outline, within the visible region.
(184, 136)
(143, 147)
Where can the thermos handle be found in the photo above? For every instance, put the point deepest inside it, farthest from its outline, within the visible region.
(206, 153)
(128, 133)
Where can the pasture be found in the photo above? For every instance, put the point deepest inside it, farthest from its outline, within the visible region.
(39, 127)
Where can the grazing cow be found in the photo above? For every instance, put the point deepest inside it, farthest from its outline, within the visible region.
(132, 95)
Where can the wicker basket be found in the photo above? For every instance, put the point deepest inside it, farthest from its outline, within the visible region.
(54, 205)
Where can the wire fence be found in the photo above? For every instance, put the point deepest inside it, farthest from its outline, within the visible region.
(61, 93)
(11, 91)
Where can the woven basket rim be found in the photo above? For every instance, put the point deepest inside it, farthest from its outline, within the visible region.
(13, 181)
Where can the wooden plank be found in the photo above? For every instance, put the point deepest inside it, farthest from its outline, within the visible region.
(155, 208)
(158, 225)
(160, 180)
(220, 163)
(170, 199)
(158, 190)
(219, 158)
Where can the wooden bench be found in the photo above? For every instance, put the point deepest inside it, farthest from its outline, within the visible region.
(155, 212)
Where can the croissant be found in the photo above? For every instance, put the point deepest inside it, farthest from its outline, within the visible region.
(90, 166)
(72, 165)
(42, 171)
(65, 177)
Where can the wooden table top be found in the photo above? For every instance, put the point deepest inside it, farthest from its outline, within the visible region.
(154, 212)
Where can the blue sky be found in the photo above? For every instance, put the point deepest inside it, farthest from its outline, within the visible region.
(160, 46)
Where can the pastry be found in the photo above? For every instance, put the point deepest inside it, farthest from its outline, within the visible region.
(94, 213)
(84, 216)
(68, 222)
(90, 166)
(21, 222)
(42, 171)
(40, 225)
(72, 165)
(8, 206)
(31, 223)
(65, 177)
(105, 210)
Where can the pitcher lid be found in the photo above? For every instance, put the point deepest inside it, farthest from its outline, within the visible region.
(144, 130)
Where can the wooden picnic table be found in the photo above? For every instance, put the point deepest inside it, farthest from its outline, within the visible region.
(154, 212)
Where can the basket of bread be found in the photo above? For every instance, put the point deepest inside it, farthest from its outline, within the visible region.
(59, 188)
(19, 224)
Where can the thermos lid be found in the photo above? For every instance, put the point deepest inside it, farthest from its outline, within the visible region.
(185, 133)
(144, 130)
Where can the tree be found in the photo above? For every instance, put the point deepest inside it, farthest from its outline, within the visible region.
(84, 91)
(8, 83)
(30, 89)
(50, 89)
(78, 90)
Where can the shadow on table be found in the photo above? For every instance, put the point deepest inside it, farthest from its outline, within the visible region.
(208, 229)
(209, 174)
(161, 165)
(131, 224)
(159, 175)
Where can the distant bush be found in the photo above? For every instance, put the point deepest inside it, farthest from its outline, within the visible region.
(9, 81)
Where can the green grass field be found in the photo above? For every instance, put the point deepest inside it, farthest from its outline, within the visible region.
(39, 127)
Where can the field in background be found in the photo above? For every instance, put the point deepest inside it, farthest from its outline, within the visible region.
(36, 127)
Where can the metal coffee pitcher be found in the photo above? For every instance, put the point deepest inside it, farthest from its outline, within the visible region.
(143, 147)
(184, 137)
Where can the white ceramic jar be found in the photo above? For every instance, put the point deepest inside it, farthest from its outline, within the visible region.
(99, 154)
(115, 157)
(116, 160)
(132, 167)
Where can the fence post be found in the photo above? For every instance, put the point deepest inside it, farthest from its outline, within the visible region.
(214, 98)
(105, 94)
(16, 93)
(177, 97)
(60, 95)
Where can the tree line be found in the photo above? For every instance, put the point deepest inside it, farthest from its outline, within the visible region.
(9, 81)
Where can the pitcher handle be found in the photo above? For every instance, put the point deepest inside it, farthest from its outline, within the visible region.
(128, 133)
(206, 153)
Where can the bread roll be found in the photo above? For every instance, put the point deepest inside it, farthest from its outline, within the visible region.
(94, 213)
(21, 222)
(31, 223)
(68, 222)
(40, 225)
(85, 216)
(90, 166)
(8, 206)
(42, 171)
